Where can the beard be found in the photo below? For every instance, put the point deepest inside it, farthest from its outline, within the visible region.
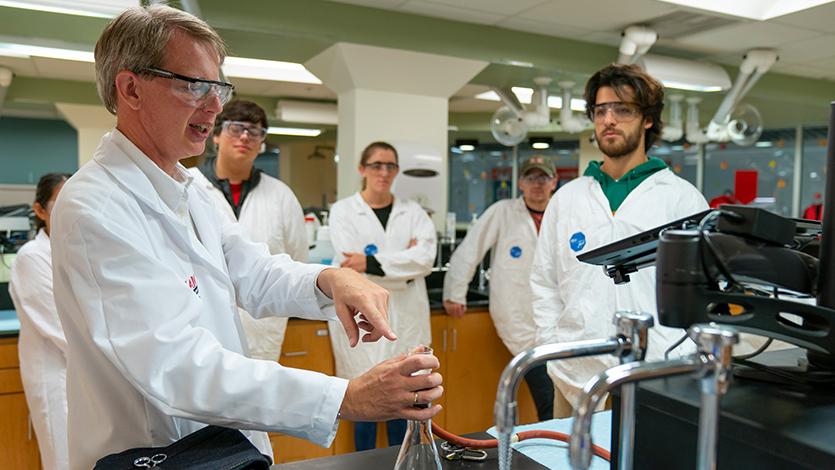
(620, 148)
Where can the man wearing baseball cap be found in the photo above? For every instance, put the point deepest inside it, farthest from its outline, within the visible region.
(509, 229)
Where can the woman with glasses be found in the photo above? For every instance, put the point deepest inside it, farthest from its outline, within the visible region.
(392, 241)
(42, 346)
(265, 206)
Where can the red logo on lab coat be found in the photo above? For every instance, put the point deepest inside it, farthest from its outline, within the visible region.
(192, 284)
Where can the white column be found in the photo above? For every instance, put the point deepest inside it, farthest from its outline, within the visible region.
(91, 123)
(395, 96)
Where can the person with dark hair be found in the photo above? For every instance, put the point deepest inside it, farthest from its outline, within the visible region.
(264, 206)
(392, 242)
(149, 276)
(626, 193)
(42, 346)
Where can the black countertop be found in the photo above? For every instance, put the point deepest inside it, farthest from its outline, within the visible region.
(384, 459)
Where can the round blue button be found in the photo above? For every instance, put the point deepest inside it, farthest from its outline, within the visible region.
(577, 241)
(515, 251)
(370, 249)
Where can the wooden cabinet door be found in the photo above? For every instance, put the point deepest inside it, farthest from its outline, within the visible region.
(440, 341)
(20, 447)
(306, 346)
(476, 358)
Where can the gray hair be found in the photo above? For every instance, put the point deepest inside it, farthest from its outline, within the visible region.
(137, 39)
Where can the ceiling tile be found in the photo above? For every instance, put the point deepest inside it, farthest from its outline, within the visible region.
(472, 105)
(820, 18)
(807, 49)
(450, 13)
(741, 37)
(500, 7)
(805, 71)
(598, 15)
(540, 27)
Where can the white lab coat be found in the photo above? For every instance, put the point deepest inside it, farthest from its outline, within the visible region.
(576, 301)
(150, 313)
(42, 349)
(507, 229)
(270, 214)
(353, 227)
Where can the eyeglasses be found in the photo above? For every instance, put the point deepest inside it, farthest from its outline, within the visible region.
(198, 91)
(378, 166)
(237, 129)
(624, 112)
(537, 179)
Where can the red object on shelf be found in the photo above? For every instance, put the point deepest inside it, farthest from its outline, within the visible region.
(745, 185)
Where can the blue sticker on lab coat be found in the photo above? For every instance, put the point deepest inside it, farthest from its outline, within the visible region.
(515, 251)
(370, 249)
(577, 241)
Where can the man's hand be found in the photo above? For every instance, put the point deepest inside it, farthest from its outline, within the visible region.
(387, 391)
(354, 295)
(412, 243)
(355, 261)
(454, 309)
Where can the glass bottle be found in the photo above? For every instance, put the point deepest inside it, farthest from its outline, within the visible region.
(418, 451)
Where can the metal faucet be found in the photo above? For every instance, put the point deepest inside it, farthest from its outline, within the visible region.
(440, 266)
(711, 364)
(629, 343)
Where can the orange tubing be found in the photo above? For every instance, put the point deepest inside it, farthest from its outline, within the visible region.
(524, 435)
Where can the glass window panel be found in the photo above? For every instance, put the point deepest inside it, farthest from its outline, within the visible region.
(483, 176)
(772, 157)
(812, 186)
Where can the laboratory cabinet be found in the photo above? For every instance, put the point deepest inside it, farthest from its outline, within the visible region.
(20, 447)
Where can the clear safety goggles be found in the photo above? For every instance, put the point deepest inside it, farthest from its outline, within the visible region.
(537, 179)
(237, 129)
(194, 91)
(378, 166)
(623, 112)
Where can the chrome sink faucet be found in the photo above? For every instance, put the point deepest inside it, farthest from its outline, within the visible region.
(629, 343)
(711, 364)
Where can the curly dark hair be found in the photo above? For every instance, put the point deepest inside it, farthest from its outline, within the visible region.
(241, 110)
(648, 94)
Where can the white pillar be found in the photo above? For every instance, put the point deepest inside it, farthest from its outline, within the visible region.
(91, 123)
(391, 95)
(588, 152)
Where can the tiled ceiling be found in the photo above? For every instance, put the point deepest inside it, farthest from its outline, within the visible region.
(805, 40)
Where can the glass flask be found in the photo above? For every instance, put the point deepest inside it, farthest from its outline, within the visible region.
(418, 451)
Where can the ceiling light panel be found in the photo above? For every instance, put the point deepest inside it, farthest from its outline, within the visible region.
(94, 8)
(242, 67)
(752, 9)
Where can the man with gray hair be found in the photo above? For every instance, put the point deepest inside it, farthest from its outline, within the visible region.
(148, 277)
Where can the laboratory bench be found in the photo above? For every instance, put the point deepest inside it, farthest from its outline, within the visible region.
(385, 458)
(471, 354)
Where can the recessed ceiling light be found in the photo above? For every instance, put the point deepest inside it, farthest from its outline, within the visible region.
(294, 131)
(27, 51)
(242, 67)
(525, 96)
(93, 8)
(752, 9)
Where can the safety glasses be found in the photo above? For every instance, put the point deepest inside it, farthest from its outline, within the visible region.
(194, 91)
(537, 179)
(237, 129)
(378, 166)
(623, 112)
